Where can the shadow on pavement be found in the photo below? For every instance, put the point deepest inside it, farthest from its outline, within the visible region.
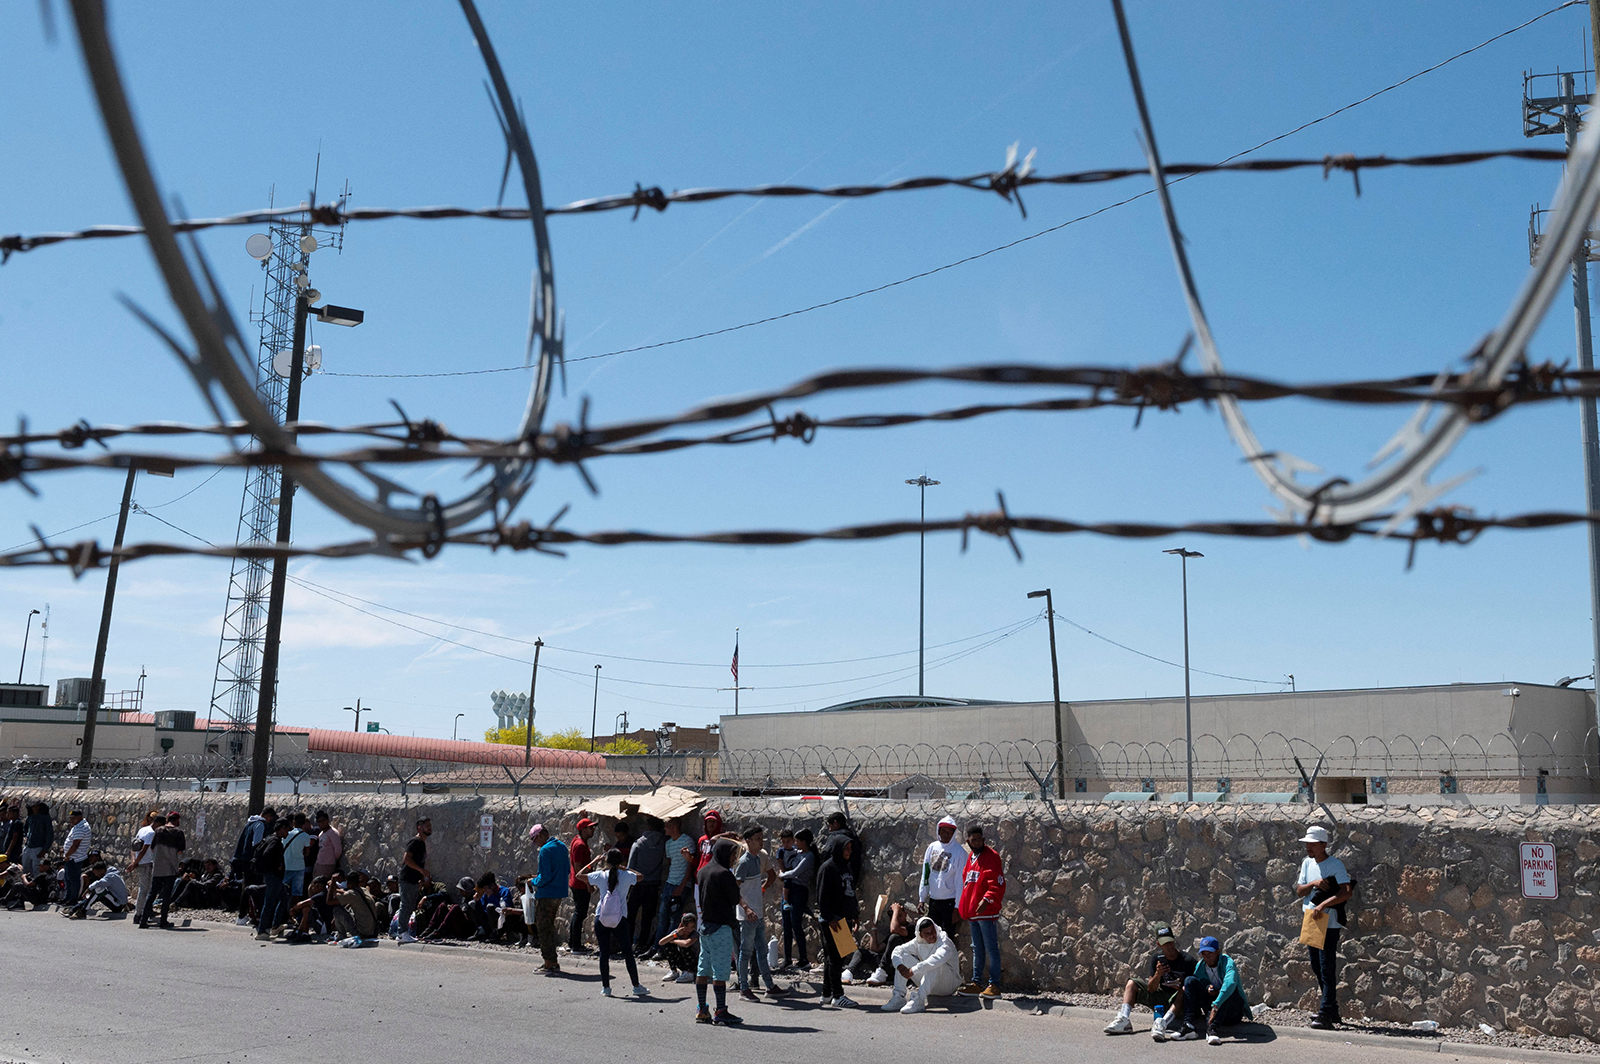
(1249, 1033)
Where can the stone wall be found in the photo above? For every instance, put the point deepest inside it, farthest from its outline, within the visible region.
(1441, 930)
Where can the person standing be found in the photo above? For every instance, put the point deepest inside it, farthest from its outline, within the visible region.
(613, 929)
(799, 879)
(139, 867)
(680, 863)
(837, 912)
(243, 864)
(983, 891)
(550, 888)
(74, 851)
(414, 876)
(754, 873)
(719, 898)
(295, 847)
(578, 856)
(330, 847)
(167, 854)
(268, 860)
(1323, 885)
(647, 859)
(839, 824)
(943, 863)
(39, 835)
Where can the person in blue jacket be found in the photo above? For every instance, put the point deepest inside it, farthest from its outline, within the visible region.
(549, 890)
(1213, 996)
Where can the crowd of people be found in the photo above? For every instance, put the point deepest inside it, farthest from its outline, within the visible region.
(697, 904)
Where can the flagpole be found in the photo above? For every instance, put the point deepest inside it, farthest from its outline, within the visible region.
(736, 672)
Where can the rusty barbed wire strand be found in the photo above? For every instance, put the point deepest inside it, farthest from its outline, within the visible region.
(1007, 183)
(1161, 387)
(1441, 525)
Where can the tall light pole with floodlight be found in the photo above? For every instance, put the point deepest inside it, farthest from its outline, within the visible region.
(922, 484)
(1055, 684)
(26, 631)
(1188, 718)
(456, 724)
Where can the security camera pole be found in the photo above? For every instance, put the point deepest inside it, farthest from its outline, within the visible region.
(262, 748)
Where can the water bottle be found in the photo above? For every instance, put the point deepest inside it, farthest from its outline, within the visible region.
(1425, 1025)
(1160, 1011)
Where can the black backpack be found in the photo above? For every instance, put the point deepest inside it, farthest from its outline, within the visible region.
(268, 855)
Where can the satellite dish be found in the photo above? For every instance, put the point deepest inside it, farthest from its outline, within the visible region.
(300, 281)
(308, 243)
(283, 362)
(313, 358)
(259, 245)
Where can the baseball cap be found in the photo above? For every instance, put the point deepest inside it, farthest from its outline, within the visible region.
(1315, 834)
(1164, 934)
(174, 815)
(1210, 944)
(948, 821)
(536, 830)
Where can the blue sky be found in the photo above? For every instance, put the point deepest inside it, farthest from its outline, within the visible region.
(1303, 281)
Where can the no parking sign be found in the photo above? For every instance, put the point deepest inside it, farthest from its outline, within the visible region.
(1538, 870)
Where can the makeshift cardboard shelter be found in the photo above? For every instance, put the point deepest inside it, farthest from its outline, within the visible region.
(664, 803)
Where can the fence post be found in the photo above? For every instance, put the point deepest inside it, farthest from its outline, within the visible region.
(843, 801)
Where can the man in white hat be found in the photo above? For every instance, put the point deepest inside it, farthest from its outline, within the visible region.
(941, 876)
(1323, 886)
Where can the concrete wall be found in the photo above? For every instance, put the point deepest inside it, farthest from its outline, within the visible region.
(62, 740)
(1441, 929)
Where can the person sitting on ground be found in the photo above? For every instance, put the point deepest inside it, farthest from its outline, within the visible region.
(106, 887)
(514, 929)
(44, 886)
(311, 915)
(355, 914)
(14, 883)
(391, 895)
(927, 965)
(200, 886)
(484, 906)
(1162, 988)
(897, 934)
(681, 950)
(1213, 996)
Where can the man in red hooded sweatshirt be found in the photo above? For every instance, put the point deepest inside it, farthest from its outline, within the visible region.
(983, 889)
(713, 823)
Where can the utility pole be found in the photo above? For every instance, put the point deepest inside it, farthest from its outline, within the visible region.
(356, 709)
(922, 484)
(27, 630)
(262, 748)
(1188, 718)
(97, 682)
(533, 686)
(593, 712)
(1541, 116)
(1055, 683)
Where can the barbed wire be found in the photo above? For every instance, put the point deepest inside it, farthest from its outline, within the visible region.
(1442, 525)
(1163, 387)
(1007, 183)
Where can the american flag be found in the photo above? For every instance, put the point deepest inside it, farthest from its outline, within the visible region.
(734, 668)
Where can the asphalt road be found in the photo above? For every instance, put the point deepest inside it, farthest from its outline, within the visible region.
(87, 992)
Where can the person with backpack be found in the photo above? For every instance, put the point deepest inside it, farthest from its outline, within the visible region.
(298, 853)
(613, 924)
(268, 862)
(243, 863)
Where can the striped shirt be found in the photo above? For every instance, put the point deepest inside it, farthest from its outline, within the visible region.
(80, 835)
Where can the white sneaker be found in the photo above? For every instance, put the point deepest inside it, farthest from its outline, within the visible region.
(1120, 1025)
(407, 936)
(640, 992)
(243, 921)
(847, 977)
(894, 1003)
(1213, 1039)
(672, 976)
(684, 977)
(842, 1002)
(878, 978)
(916, 1004)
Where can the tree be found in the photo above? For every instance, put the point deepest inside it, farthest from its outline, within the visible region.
(567, 739)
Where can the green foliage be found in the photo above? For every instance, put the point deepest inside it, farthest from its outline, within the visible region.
(568, 739)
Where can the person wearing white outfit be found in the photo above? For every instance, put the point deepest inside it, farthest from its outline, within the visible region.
(927, 966)
(940, 883)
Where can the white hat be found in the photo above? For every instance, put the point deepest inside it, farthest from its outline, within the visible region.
(1315, 834)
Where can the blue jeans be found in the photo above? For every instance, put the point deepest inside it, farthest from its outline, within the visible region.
(753, 941)
(794, 922)
(273, 898)
(1325, 966)
(670, 912)
(985, 945)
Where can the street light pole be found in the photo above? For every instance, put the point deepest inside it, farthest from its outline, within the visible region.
(26, 631)
(454, 725)
(1055, 683)
(356, 709)
(533, 686)
(280, 564)
(1188, 718)
(595, 710)
(922, 484)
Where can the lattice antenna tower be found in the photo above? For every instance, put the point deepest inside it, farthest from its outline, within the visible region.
(235, 690)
